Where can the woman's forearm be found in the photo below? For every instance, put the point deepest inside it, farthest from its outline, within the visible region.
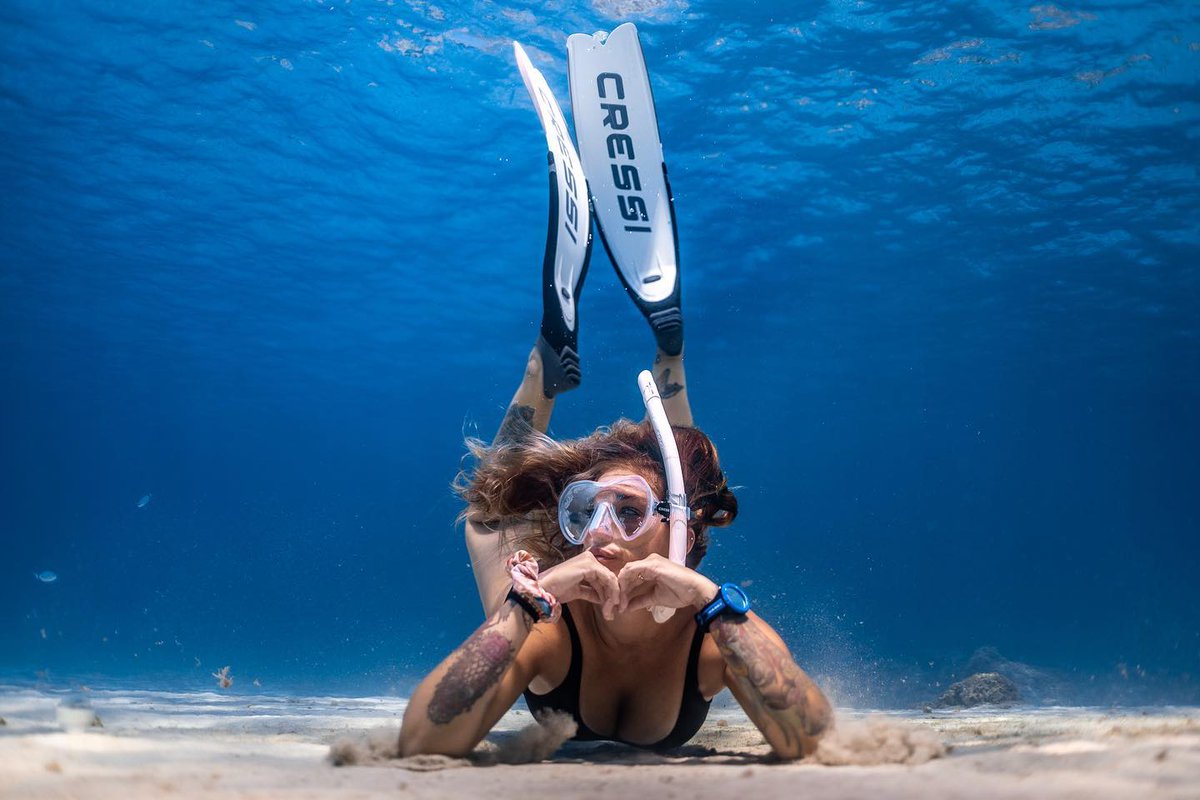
(457, 704)
(778, 696)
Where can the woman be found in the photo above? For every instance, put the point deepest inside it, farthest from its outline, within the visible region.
(569, 541)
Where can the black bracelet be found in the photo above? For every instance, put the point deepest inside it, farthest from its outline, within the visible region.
(525, 604)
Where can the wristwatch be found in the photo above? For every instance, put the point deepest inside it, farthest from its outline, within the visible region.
(730, 599)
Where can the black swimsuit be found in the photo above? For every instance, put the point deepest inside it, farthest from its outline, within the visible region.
(693, 708)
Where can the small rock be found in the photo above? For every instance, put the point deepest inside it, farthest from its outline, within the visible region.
(984, 688)
(75, 713)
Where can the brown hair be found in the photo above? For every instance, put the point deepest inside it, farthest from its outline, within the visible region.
(525, 479)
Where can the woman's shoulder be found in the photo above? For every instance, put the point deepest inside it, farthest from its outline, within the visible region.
(475, 514)
(547, 655)
(479, 521)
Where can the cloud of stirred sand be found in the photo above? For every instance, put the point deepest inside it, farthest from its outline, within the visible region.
(535, 742)
(861, 742)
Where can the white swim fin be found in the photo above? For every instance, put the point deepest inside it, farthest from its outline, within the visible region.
(568, 239)
(622, 156)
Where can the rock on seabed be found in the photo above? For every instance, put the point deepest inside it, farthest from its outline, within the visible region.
(982, 688)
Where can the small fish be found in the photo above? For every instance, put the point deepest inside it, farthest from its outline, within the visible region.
(145, 501)
(224, 679)
(46, 576)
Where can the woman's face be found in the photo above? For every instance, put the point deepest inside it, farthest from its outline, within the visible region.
(612, 549)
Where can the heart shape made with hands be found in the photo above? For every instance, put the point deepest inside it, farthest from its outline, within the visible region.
(651, 582)
(658, 582)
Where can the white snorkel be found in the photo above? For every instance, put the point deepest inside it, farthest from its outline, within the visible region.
(676, 496)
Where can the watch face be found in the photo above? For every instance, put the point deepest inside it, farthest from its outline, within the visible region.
(737, 600)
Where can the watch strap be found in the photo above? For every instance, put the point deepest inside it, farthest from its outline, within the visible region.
(717, 607)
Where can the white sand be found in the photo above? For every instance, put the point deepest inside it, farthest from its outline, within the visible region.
(225, 745)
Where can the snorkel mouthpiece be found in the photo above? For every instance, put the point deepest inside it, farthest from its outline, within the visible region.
(676, 496)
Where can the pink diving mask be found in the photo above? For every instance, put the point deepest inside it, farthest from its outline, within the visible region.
(627, 502)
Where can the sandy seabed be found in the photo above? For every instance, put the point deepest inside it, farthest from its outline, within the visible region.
(201, 744)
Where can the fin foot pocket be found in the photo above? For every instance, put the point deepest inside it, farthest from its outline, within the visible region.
(560, 366)
(667, 325)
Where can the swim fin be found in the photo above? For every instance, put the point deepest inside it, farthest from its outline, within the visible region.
(568, 239)
(619, 146)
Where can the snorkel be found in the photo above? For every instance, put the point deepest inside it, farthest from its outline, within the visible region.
(676, 495)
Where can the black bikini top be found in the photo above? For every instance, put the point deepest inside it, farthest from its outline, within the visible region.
(693, 708)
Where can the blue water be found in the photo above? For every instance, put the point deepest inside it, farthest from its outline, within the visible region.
(268, 263)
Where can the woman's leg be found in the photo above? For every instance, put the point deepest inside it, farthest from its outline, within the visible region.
(530, 408)
(672, 387)
(529, 412)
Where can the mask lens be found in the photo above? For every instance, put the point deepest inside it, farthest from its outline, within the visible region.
(630, 509)
(575, 509)
(629, 501)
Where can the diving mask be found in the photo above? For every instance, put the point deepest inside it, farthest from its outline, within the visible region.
(627, 502)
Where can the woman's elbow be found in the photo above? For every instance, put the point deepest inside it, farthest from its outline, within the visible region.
(413, 738)
(817, 720)
(419, 736)
(813, 718)
(422, 739)
(412, 742)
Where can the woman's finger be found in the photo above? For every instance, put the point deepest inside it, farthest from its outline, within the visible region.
(587, 594)
(636, 592)
(632, 575)
(608, 588)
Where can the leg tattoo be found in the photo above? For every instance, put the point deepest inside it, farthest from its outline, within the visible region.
(517, 426)
(665, 387)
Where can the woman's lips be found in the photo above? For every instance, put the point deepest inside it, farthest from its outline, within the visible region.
(606, 554)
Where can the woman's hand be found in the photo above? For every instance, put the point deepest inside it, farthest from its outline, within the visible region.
(659, 581)
(583, 578)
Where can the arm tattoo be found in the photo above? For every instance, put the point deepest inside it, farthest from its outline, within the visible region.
(482, 661)
(517, 425)
(778, 687)
(665, 387)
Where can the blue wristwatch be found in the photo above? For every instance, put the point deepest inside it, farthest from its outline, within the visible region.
(730, 599)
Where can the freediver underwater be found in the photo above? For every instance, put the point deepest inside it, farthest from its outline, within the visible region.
(586, 552)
